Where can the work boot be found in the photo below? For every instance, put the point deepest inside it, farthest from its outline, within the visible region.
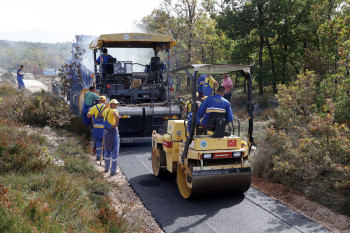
(117, 172)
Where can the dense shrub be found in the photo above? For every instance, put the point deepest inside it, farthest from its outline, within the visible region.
(40, 109)
(8, 91)
(18, 151)
(307, 148)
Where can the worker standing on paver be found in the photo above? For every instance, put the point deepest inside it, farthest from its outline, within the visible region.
(90, 96)
(98, 122)
(103, 59)
(111, 140)
(20, 75)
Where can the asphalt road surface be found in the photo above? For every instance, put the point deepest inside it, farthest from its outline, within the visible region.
(251, 212)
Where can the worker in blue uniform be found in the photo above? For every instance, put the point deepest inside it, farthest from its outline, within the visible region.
(103, 59)
(98, 122)
(20, 75)
(209, 85)
(111, 140)
(89, 98)
(200, 83)
(216, 103)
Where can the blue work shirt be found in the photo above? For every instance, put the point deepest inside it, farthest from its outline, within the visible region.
(200, 82)
(215, 103)
(103, 59)
(18, 75)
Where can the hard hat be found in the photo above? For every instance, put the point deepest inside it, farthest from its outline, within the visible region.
(114, 101)
(102, 98)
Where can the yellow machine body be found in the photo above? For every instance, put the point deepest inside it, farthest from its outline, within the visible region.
(212, 164)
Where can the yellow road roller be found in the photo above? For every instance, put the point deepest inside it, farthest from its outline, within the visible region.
(205, 159)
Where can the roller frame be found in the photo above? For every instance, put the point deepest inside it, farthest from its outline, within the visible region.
(193, 180)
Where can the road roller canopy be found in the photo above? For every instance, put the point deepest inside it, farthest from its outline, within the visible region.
(213, 69)
(133, 40)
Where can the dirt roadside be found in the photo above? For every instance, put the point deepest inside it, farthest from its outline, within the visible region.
(296, 201)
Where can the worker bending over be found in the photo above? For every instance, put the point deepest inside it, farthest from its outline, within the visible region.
(111, 140)
(89, 98)
(216, 103)
(97, 132)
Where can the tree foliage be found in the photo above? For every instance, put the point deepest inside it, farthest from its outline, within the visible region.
(34, 56)
(199, 41)
(280, 36)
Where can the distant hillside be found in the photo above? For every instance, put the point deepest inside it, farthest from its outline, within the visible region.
(34, 56)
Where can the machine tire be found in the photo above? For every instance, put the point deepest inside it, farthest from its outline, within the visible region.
(158, 155)
(185, 188)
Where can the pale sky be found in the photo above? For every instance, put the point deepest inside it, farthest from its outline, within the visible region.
(60, 20)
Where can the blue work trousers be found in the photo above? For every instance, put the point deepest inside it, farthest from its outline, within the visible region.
(20, 83)
(98, 148)
(110, 156)
(87, 121)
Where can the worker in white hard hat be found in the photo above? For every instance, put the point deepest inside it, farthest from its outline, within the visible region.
(98, 126)
(111, 140)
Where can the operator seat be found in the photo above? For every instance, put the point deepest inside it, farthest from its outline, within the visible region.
(155, 71)
(216, 123)
(108, 67)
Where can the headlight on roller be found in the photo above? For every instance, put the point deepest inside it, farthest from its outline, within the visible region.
(237, 154)
(206, 156)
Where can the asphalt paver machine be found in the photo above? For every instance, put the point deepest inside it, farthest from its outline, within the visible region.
(204, 159)
(145, 97)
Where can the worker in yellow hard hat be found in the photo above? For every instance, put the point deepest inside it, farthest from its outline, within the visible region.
(111, 140)
(97, 132)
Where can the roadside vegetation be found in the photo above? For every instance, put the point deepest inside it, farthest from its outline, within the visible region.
(300, 51)
(307, 146)
(47, 182)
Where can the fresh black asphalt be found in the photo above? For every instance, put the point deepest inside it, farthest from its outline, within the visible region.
(252, 212)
